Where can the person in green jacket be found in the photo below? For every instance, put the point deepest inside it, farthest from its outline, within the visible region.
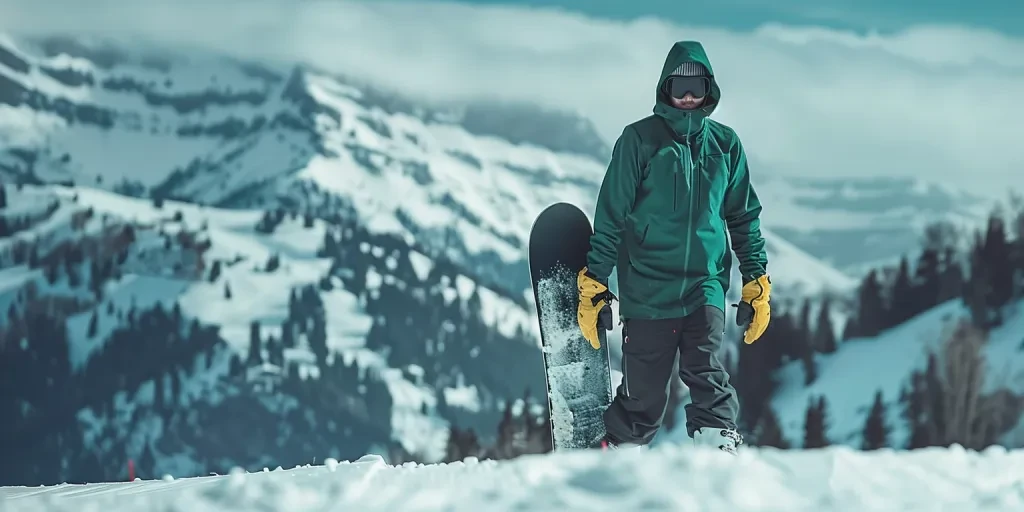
(675, 197)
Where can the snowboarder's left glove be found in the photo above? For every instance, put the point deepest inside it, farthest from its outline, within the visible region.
(595, 307)
(754, 308)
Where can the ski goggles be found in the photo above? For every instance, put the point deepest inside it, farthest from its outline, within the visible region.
(678, 86)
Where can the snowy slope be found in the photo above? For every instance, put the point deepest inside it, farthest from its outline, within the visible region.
(245, 290)
(832, 480)
(850, 377)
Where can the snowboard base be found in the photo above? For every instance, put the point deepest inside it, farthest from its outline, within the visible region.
(578, 377)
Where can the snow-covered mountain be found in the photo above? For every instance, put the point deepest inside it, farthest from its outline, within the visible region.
(212, 130)
(223, 133)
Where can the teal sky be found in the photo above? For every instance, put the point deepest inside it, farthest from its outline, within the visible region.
(1005, 16)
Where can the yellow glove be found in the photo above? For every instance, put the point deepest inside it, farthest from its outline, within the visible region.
(594, 309)
(754, 308)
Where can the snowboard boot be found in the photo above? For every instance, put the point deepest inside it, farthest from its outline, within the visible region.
(724, 439)
(607, 443)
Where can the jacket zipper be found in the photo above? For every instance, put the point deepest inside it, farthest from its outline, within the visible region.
(675, 190)
(694, 191)
(695, 187)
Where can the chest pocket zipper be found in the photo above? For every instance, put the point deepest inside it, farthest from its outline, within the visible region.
(675, 190)
(696, 189)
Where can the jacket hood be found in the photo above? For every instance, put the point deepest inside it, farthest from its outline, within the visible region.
(682, 121)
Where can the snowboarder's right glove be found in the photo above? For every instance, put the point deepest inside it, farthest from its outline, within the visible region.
(595, 306)
(754, 308)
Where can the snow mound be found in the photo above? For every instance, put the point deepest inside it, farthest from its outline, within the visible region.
(836, 479)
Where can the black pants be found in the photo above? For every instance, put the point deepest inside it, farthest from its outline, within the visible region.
(649, 349)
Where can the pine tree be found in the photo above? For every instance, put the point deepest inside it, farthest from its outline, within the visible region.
(977, 292)
(871, 310)
(824, 332)
(850, 329)
(952, 280)
(915, 406)
(815, 424)
(273, 263)
(755, 367)
(901, 298)
(268, 223)
(3, 196)
(235, 368)
(809, 362)
(461, 444)
(275, 352)
(72, 271)
(876, 432)
(1018, 255)
(159, 393)
(804, 340)
(145, 463)
(215, 271)
(227, 290)
(503, 445)
(93, 325)
(996, 254)
(770, 432)
(255, 357)
(287, 334)
(927, 281)
(318, 338)
(33, 256)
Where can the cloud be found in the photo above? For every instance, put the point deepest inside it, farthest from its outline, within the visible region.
(941, 102)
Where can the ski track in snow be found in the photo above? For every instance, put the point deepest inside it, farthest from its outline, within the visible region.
(668, 477)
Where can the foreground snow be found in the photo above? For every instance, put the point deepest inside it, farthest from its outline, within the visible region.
(668, 477)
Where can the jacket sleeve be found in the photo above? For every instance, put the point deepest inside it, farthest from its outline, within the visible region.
(743, 218)
(614, 202)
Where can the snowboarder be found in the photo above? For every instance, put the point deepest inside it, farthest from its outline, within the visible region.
(676, 185)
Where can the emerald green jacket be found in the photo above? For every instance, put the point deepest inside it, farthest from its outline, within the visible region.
(676, 192)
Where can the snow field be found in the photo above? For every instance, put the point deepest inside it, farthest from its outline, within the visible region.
(666, 477)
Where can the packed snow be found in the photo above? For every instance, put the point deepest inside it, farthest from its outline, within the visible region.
(667, 477)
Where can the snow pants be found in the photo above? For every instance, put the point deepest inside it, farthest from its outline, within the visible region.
(649, 350)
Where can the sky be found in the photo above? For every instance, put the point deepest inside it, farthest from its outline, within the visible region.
(861, 15)
(813, 88)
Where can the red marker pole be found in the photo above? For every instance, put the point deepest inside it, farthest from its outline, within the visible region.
(131, 470)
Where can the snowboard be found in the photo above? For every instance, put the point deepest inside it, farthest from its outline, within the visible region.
(577, 376)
